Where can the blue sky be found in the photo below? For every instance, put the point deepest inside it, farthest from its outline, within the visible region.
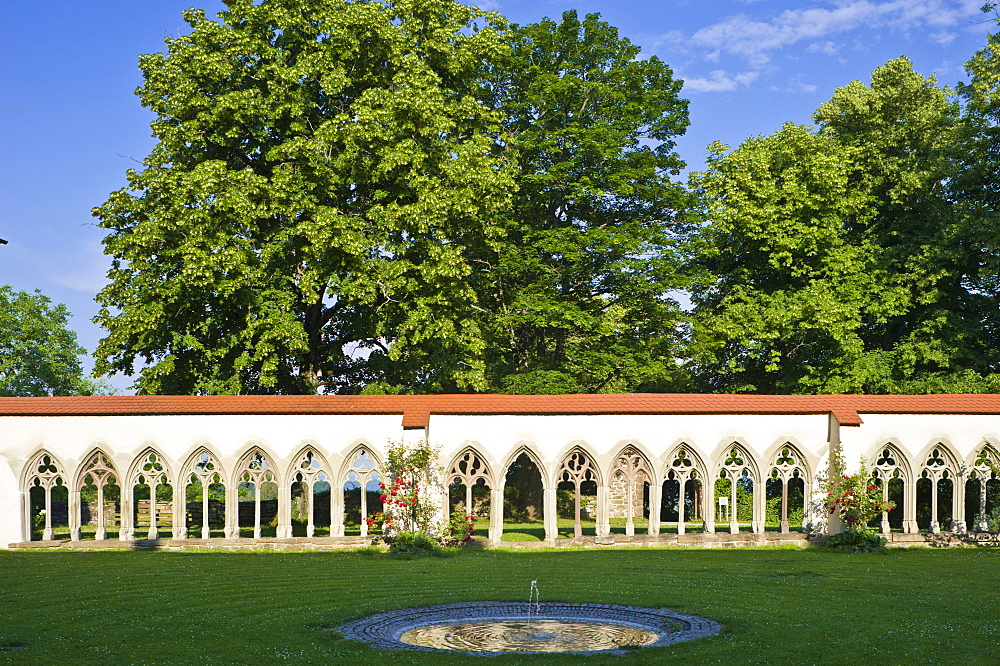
(71, 125)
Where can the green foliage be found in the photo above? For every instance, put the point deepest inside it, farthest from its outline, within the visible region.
(413, 544)
(833, 260)
(321, 171)
(39, 354)
(575, 297)
(858, 540)
(462, 525)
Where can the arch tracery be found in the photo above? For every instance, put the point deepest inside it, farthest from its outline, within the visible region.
(311, 471)
(577, 468)
(149, 469)
(470, 470)
(362, 470)
(686, 470)
(983, 473)
(787, 468)
(203, 467)
(890, 468)
(253, 471)
(43, 474)
(98, 472)
(738, 468)
(631, 475)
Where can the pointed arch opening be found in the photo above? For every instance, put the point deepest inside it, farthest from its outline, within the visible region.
(982, 488)
(47, 508)
(681, 496)
(469, 489)
(99, 485)
(204, 496)
(935, 489)
(152, 495)
(629, 486)
(361, 491)
(890, 473)
(311, 494)
(523, 499)
(257, 495)
(785, 490)
(577, 480)
(735, 488)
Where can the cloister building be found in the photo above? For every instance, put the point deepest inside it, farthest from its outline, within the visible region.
(256, 467)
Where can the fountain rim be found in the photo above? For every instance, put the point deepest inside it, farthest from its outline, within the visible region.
(383, 630)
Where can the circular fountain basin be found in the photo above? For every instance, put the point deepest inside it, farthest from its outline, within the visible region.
(498, 627)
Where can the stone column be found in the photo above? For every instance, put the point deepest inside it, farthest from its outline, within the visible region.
(655, 497)
(23, 500)
(102, 531)
(284, 530)
(603, 523)
(910, 507)
(74, 507)
(734, 514)
(496, 514)
(232, 529)
(681, 518)
(958, 505)
(180, 510)
(336, 508)
(935, 526)
(127, 531)
(549, 514)
(310, 497)
(759, 505)
(708, 505)
(784, 529)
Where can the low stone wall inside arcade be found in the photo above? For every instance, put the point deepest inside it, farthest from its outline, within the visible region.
(651, 468)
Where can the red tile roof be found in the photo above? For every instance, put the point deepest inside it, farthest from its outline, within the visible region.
(416, 409)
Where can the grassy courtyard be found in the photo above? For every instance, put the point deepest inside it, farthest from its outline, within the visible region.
(792, 606)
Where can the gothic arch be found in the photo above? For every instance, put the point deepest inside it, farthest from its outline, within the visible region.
(787, 466)
(939, 466)
(888, 464)
(580, 449)
(525, 449)
(204, 464)
(471, 465)
(365, 466)
(684, 467)
(630, 477)
(983, 465)
(577, 467)
(256, 467)
(148, 468)
(308, 468)
(98, 470)
(45, 472)
(738, 465)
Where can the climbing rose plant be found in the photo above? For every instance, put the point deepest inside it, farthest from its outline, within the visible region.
(408, 498)
(854, 497)
(462, 525)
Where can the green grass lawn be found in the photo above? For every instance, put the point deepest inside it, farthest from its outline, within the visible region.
(791, 606)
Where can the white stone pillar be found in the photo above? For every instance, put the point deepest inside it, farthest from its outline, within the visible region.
(180, 510)
(284, 530)
(655, 493)
(708, 505)
(910, 507)
(337, 508)
(232, 512)
(74, 507)
(549, 514)
(603, 524)
(496, 515)
(127, 531)
(958, 504)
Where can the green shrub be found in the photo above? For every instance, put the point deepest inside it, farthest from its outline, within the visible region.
(858, 541)
(413, 544)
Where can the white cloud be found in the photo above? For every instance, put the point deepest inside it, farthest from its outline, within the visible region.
(719, 81)
(826, 48)
(754, 40)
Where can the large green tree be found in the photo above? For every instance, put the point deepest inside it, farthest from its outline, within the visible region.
(576, 298)
(324, 171)
(39, 354)
(834, 260)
